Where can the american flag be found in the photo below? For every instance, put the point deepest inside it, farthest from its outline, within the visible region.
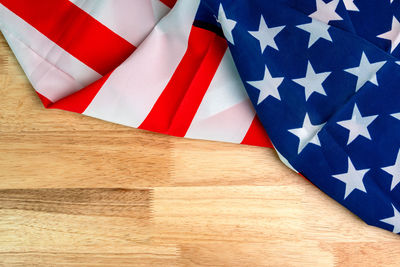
(321, 75)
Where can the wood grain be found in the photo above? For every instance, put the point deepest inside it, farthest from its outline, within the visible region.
(79, 191)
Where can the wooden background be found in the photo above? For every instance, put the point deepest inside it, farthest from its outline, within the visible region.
(79, 191)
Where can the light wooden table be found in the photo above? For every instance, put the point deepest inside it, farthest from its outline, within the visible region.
(77, 190)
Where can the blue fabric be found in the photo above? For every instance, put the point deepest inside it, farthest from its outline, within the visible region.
(352, 36)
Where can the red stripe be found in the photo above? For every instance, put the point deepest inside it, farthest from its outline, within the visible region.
(256, 135)
(80, 100)
(75, 31)
(198, 87)
(175, 108)
(169, 3)
(45, 101)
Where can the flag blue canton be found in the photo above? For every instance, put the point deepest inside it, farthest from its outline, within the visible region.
(324, 77)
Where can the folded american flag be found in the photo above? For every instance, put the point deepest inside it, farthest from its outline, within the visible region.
(320, 74)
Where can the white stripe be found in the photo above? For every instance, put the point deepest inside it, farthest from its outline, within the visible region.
(230, 125)
(132, 20)
(225, 113)
(133, 88)
(44, 77)
(159, 9)
(41, 58)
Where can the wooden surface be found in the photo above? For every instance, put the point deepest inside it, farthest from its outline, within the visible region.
(77, 190)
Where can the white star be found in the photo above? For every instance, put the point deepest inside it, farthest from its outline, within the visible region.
(352, 178)
(393, 35)
(394, 170)
(266, 35)
(395, 220)
(312, 82)
(366, 71)
(268, 86)
(396, 115)
(308, 133)
(326, 12)
(317, 30)
(350, 5)
(357, 125)
(227, 24)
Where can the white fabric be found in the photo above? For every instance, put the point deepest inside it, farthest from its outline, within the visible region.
(226, 113)
(131, 91)
(52, 71)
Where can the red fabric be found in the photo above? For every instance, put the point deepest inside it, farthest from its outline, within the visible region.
(169, 3)
(64, 23)
(45, 101)
(256, 135)
(178, 103)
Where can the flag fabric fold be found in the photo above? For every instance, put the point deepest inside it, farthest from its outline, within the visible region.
(321, 75)
(325, 86)
(133, 63)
